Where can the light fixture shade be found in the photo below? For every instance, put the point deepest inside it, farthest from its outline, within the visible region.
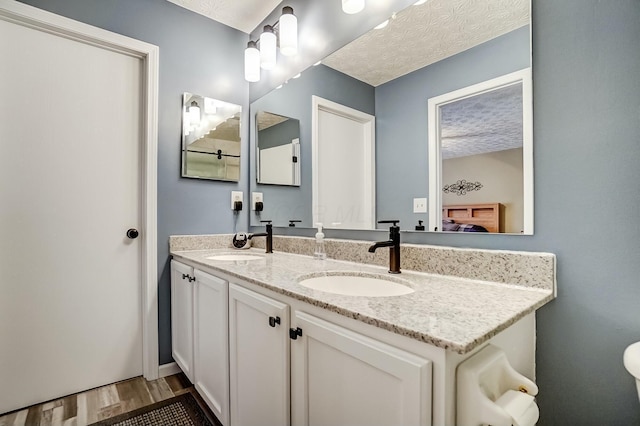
(288, 32)
(252, 62)
(194, 113)
(352, 6)
(268, 44)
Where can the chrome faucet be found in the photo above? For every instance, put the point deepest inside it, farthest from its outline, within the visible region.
(394, 246)
(268, 234)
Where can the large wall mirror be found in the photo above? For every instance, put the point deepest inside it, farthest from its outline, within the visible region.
(423, 52)
(277, 149)
(210, 138)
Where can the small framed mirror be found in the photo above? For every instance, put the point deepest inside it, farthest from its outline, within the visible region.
(278, 149)
(210, 138)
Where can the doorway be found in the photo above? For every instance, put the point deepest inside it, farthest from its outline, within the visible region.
(78, 307)
(343, 158)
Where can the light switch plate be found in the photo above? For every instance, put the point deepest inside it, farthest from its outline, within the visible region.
(419, 205)
(256, 197)
(235, 196)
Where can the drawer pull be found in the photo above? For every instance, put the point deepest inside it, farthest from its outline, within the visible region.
(294, 333)
(273, 321)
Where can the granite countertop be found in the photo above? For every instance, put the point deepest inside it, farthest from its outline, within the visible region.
(452, 313)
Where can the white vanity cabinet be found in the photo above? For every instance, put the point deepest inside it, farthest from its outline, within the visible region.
(339, 377)
(211, 348)
(199, 334)
(182, 280)
(276, 360)
(259, 358)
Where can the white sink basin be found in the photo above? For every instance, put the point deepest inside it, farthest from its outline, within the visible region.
(235, 257)
(357, 285)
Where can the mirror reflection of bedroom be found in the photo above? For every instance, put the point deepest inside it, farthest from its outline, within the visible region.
(482, 162)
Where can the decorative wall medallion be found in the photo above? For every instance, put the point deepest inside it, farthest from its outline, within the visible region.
(461, 187)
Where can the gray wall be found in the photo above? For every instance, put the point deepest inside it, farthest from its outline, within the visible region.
(197, 55)
(401, 119)
(279, 134)
(282, 203)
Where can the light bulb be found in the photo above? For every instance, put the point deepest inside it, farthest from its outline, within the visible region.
(288, 32)
(352, 6)
(194, 113)
(252, 62)
(268, 44)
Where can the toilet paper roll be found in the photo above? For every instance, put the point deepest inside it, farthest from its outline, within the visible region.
(520, 406)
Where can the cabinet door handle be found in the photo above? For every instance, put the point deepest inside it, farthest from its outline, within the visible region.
(273, 321)
(294, 333)
(185, 276)
(192, 279)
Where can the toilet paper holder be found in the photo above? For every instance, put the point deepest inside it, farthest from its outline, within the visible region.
(490, 391)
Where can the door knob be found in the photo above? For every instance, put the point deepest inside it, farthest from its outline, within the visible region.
(132, 233)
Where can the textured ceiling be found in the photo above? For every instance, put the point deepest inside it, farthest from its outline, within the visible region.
(244, 15)
(484, 123)
(268, 119)
(424, 34)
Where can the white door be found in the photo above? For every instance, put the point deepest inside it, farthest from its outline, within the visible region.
(258, 359)
(339, 377)
(211, 343)
(343, 166)
(70, 177)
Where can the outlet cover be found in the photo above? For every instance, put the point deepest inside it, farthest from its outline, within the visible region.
(235, 196)
(256, 197)
(419, 205)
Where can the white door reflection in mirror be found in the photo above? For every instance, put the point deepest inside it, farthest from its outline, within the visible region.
(278, 149)
(343, 175)
(481, 157)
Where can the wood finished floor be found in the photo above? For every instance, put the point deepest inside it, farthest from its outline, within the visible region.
(101, 403)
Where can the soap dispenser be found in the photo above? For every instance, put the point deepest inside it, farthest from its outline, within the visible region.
(318, 252)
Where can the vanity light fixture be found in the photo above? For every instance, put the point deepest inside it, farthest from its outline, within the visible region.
(284, 31)
(352, 6)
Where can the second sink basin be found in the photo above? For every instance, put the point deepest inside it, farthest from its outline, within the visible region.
(369, 285)
(234, 257)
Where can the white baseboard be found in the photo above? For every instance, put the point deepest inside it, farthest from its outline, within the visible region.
(168, 369)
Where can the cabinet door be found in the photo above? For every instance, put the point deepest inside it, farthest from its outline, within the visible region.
(259, 359)
(211, 345)
(182, 317)
(339, 377)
